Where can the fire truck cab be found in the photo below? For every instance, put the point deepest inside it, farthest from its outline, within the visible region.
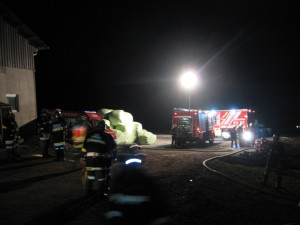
(197, 125)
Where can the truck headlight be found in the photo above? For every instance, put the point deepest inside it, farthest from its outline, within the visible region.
(247, 136)
(226, 135)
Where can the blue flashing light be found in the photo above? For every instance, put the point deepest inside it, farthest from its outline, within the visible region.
(134, 160)
(212, 113)
(90, 111)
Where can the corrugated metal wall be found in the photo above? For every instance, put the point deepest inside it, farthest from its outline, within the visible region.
(15, 50)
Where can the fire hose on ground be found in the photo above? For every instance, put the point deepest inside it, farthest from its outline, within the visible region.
(243, 183)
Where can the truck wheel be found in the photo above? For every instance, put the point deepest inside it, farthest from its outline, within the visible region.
(226, 135)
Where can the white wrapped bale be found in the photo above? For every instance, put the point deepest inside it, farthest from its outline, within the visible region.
(146, 138)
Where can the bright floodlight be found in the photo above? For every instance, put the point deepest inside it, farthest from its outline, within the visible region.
(247, 136)
(212, 113)
(189, 80)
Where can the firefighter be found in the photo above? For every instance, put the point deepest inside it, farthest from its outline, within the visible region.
(263, 145)
(10, 134)
(179, 142)
(233, 136)
(44, 132)
(60, 118)
(136, 197)
(252, 129)
(274, 161)
(240, 132)
(97, 155)
(58, 136)
(79, 131)
(173, 132)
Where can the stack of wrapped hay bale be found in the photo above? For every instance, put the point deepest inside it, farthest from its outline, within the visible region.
(127, 130)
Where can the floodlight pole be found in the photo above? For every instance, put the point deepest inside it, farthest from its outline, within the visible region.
(189, 101)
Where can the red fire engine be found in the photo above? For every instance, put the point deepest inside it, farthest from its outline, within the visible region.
(225, 120)
(198, 125)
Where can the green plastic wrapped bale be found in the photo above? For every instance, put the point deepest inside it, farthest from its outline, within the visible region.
(119, 127)
(138, 127)
(129, 132)
(107, 122)
(117, 117)
(121, 137)
(134, 134)
(104, 113)
(146, 138)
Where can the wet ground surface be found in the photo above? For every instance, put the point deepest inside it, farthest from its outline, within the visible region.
(34, 190)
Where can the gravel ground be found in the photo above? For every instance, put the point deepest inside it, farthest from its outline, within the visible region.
(39, 191)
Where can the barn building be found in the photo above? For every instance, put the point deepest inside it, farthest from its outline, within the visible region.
(18, 48)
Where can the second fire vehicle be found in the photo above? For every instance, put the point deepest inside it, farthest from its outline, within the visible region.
(226, 120)
(198, 125)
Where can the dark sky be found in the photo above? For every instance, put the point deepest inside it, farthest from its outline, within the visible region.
(130, 56)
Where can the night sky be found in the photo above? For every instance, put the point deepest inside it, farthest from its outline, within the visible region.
(130, 56)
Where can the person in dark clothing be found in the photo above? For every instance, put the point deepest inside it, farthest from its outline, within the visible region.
(274, 161)
(233, 137)
(58, 136)
(174, 132)
(253, 130)
(240, 132)
(10, 134)
(179, 142)
(136, 197)
(44, 130)
(98, 152)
